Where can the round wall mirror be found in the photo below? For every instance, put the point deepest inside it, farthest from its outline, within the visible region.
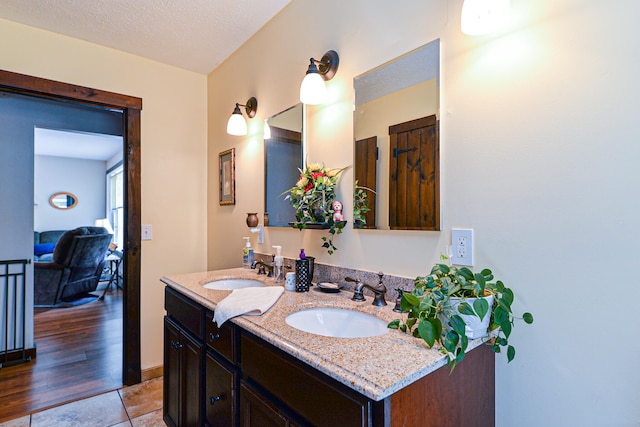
(63, 200)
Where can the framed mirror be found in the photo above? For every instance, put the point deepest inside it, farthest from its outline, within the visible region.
(63, 200)
(396, 143)
(284, 154)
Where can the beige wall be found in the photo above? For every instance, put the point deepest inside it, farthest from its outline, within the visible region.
(174, 181)
(539, 145)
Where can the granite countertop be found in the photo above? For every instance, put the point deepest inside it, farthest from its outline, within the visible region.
(375, 366)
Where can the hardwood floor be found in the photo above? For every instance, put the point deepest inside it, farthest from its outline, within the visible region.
(79, 354)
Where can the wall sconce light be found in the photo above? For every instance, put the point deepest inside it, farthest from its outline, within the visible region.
(236, 124)
(484, 16)
(313, 90)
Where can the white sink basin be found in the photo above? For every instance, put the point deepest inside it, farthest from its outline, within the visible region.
(231, 284)
(337, 323)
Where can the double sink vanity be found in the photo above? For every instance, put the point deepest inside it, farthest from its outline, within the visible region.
(293, 365)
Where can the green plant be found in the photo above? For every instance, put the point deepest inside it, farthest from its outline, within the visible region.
(335, 227)
(311, 199)
(360, 205)
(431, 318)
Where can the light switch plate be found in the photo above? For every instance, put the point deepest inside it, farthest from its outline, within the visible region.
(146, 231)
(462, 246)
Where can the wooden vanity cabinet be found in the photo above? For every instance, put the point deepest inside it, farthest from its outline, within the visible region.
(300, 392)
(200, 384)
(230, 377)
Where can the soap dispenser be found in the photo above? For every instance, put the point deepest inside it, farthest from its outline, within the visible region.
(247, 253)
(278, 264)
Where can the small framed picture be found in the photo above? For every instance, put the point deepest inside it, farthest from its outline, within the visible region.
(227, 161)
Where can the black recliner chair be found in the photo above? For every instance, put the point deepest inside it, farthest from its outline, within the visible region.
(75, 269)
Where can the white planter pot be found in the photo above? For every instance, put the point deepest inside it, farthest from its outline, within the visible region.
(475, 327)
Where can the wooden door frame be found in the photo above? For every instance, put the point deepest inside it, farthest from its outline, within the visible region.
(130, 107)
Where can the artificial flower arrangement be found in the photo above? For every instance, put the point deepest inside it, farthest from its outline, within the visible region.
(312, 198)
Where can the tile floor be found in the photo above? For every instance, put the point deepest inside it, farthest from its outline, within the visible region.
(139, 405)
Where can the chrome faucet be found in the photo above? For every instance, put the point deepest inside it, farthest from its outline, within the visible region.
(379, 291)
(262, 268)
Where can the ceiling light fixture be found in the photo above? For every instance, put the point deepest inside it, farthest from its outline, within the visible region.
(313, 90)
(236, 124)
(484, 16)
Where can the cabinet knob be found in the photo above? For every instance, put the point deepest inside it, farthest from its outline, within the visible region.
(214, 399)
(213, 337)
(176, 345)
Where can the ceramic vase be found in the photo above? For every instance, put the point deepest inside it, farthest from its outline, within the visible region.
(474, 326)
(252, 219)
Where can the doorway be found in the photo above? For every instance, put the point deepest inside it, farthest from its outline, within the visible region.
(131, 108)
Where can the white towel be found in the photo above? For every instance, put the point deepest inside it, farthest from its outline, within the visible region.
(252, 301)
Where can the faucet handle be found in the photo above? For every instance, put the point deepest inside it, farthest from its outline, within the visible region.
(349, 279)
(380, 276)
(398, 306)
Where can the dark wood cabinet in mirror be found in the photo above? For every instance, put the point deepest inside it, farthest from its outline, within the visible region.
(396, 149)
(284, 153)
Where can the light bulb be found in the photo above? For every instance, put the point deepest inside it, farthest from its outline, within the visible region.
(313, 90)
(237, 125)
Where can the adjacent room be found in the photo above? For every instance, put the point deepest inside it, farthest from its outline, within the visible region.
(77, 190)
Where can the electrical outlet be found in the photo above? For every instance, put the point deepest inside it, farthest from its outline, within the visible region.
(462, 246)
(146, 231)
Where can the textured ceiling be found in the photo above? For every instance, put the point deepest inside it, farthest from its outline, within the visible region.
(196, 35)
(75, 144)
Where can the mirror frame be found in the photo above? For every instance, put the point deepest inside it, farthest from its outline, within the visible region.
(67, 195)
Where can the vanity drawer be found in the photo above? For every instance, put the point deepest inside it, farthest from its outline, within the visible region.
(221, 340)
(318, 399)
(186, 312)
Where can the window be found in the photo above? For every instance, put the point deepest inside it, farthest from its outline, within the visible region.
(115, 203)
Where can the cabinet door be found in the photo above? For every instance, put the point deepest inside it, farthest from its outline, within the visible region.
(256, 411)
(306, 392)
(183, 368)
(171, 404)
(220, 393)
(192, 373)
